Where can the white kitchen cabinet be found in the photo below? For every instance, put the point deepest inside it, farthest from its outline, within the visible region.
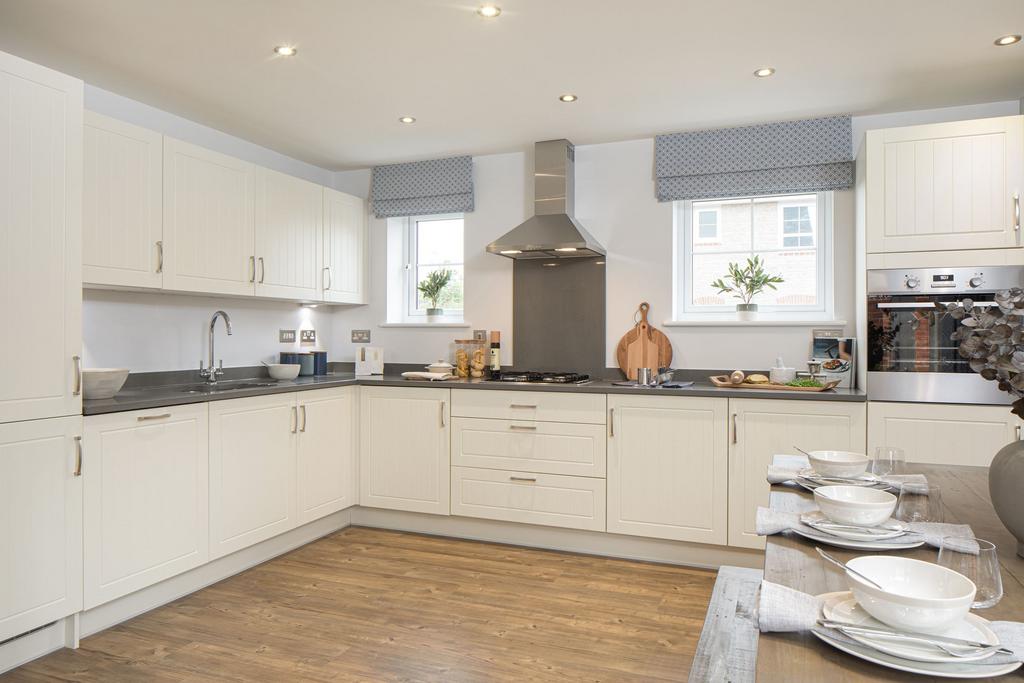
(122, 220)
(942, 434)
(549, 447)
(404, 448)
(252, 470)
(542, 406)
(289, 234)
(760, 429)
(668, 467)
(945, 186)
(146, 498)
(40, 241)
(344, 248)
(208, 205)
(41, 532)
(328, 438)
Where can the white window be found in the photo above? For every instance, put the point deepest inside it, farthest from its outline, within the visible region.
(792, 234)
(433, 244)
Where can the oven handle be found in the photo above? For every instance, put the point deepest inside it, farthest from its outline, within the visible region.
(927, 304)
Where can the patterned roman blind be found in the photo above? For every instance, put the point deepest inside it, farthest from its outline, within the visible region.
(423, 187)
(773, 158)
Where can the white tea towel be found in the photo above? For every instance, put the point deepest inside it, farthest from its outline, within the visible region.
(785, 609)
(431, 376)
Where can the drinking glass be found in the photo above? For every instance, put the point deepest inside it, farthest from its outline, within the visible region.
(919, 503)
(888, 460)
(982, 569)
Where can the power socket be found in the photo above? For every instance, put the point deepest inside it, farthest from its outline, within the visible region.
(360, 336)
(307, 336)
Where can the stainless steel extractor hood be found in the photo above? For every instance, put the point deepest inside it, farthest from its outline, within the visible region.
(553, 232)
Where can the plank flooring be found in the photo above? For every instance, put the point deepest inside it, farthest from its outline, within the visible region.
(371, 605)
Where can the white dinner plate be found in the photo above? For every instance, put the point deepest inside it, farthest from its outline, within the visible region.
(828, 539)
(842, 607)
(811, 519)
(811, 485)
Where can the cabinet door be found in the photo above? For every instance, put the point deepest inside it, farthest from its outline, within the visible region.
(252, 470)
(404, 449)
(289, 222)
(40, 241)
(945, 185)
(208, 221)
(41, 533)
(344, 248)
(942, 434)
(764, 428)
(146, 498)
(122, 223)
(668, 467)
(328, 433)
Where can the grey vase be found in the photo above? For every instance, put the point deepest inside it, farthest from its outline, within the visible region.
(1005, 483)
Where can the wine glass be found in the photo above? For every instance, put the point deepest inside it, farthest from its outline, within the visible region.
(982, 569)
(919, 502)
(888, 460)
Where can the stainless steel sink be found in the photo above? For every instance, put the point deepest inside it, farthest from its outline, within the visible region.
(224, 386)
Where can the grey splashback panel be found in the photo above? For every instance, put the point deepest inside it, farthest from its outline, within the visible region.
(558, 309)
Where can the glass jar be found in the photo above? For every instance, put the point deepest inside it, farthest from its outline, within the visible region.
(469, 356)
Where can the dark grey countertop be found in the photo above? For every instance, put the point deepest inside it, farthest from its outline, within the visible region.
(161, 396)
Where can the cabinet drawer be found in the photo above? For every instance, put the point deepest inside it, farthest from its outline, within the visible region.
(529, 405)
(547, 447)
(530, 498)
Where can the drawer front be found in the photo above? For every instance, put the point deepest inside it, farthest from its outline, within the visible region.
(530, 498)
(546, 447)
(529, 405)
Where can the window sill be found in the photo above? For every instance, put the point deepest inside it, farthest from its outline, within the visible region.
(759, 322)
(444, 323)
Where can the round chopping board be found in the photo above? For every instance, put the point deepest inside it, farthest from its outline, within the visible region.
(644, 346)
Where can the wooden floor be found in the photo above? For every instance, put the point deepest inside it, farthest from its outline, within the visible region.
(371, 605)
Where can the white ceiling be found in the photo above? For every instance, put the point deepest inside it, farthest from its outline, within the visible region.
(476, 86)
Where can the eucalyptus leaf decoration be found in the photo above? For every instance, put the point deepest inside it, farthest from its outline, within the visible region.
(746, 282)
(992, 340)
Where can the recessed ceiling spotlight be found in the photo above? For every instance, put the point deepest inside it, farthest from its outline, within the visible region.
(407, 119)
(764, 72)
(567, 97)
(286, 50)
(488, 11)
(1008, 40)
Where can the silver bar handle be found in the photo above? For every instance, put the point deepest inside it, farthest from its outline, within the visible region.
(1016, 212)
(1017, 429)
(529, 428)
(77, 390)
(530, 479)
(735, 430)
(252, 269)
(611, 422)
(525, 406)
(303, 427)
(295, 420)
(160, 256)
(263, 270)
(327, 271)
(441, 412)
(161, 416)
(78, 456)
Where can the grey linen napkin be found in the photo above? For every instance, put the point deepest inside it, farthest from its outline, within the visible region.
(771, 522)
(779, 474)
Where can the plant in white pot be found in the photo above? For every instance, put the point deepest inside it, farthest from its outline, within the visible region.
(992, 340)
(746, 282)
(432, 288)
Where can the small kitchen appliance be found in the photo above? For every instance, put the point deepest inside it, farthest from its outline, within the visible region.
(369, 361)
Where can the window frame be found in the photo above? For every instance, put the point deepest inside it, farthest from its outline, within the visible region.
(812, 215)
(410, 253)
(683, 262)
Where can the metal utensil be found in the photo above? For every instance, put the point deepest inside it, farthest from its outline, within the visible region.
(843, 566)
(644, 377)
(802, 451)
(861, 629)
(880, 529)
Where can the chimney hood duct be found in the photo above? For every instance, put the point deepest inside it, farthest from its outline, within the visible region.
(553, 231)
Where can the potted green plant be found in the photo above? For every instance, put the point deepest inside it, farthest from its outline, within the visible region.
(746, 282)
(432, 288)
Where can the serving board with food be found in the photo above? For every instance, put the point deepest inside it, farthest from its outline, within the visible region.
(737, 380)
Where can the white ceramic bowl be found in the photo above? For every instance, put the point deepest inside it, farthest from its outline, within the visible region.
(838, 463)
(858, 505)
(283, 370)
(102, 382)
(440, 366)
(918, 596)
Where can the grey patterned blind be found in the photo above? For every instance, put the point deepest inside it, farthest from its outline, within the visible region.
(773, 158)
(423, 187)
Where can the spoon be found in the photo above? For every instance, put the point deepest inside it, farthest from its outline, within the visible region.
(846, 568)
(802, 451)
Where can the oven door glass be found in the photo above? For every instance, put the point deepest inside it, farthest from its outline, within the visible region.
(907, 333)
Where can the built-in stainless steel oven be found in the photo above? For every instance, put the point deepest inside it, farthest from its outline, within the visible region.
(910, 354)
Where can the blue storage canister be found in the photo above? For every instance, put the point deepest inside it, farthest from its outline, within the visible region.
(319, 362)
(305, 363)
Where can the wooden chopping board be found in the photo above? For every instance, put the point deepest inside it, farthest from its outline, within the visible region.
(643, 347)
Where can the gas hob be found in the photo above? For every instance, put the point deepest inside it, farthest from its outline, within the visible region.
(530, 377)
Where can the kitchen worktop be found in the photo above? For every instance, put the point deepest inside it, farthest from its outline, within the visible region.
(140, 397)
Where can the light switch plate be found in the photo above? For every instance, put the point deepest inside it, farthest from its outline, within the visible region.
(286, 336)
(307, 336)
(360, 336)
(480, 335)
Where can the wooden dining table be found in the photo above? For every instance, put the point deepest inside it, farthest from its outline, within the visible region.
(791, 560)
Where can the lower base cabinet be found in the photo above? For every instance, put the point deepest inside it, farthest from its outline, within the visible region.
(146, 496)
(668, 467)
(328, 438)
(40, 523)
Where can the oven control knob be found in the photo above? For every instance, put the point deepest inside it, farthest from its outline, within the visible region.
(975, 281)
(913, 282)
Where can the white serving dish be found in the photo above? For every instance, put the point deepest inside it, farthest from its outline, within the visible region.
(441, 366)
(283, 370)
(855, 505)
(102, 382)
(838, 463)
(871, 535)
(917, 596)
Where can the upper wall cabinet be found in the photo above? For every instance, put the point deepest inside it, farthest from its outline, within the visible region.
(122, 229)
(344, 266)
(208, 221)
(945, 186)
(289, 227)
(40, 240)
